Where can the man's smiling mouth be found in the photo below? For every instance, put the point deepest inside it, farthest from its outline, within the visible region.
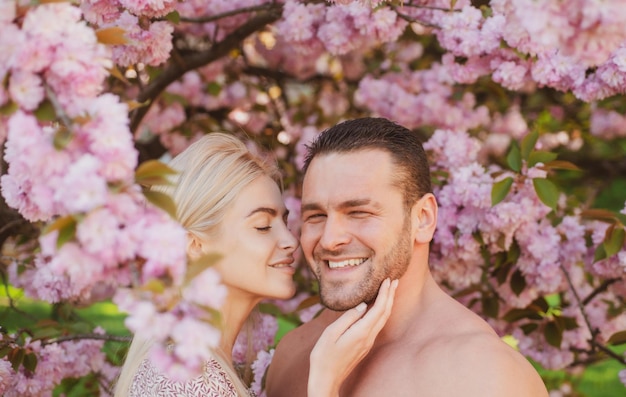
(346, 263)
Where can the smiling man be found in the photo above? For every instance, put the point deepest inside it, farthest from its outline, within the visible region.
(368, 214)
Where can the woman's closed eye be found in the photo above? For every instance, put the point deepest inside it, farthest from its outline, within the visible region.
(263, 229)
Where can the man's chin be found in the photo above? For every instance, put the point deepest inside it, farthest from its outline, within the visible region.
(344, 303)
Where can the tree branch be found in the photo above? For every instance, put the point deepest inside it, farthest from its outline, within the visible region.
(601, 288)
(105, 337)
(175, 70)
(211, 18)
(581, 307)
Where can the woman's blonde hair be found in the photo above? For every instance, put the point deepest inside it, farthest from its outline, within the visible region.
(211, 173)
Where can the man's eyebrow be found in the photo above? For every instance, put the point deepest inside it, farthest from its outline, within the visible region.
(341, 206)
(354, 203)
(267, 210)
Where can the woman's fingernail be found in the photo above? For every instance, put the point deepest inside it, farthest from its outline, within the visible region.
(361, 307)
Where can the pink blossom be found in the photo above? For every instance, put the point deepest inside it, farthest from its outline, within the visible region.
(149, 8)
(261, 337)
(6, 374)
(151, 46)
(162, 244)
(100, 12)
(26, 89)
(259, 368)
(206, 289)
(81, 189)
(452, 149)
(193, 340)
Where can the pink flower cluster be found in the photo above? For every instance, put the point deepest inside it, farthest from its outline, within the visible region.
(338, 29)
(56, 361)
(550, 255)
(565, 42)
(149, 43)
(79, 171)
(51, 50)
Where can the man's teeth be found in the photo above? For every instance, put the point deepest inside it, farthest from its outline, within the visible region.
(281, 265)
(348, 262)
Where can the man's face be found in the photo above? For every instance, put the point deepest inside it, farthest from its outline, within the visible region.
(355, 232)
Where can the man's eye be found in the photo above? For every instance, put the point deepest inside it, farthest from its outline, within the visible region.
(314, 217)
(359, 213)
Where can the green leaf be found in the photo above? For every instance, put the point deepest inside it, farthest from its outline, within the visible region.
(614, 241)
(59, 224)
(173, 17)
(618, 338)
(553, 335)
(16, 357)
(561, 165)
(45, 112)
(514, 252)
(490, 306)
(161, 200)
(518, 282)
(540, 305)
(153, 172)
(67, 229)
(502, 272)
(199, 265)
(4, 350)
(518, 314)
(8, 109)
(528, 328)
(528, 144)
(514, 158)
(599, 214)
(539, 156)
(66, 234)
(213, 88)
(62, 138)
(599, 253)
(154, 285)
(566, 323)
(500, 190)
(113, 35)
(546, 191)
(30, 362)
(552, 300)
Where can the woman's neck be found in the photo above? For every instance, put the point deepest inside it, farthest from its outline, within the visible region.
(235, 312)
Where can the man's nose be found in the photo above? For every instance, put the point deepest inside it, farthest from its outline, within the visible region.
(335, 233)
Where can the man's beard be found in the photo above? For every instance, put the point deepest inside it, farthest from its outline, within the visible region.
(393, 265)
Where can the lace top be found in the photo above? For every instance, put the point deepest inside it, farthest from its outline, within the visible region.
(214, 382)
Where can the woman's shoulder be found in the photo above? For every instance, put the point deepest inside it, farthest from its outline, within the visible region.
(213, 382)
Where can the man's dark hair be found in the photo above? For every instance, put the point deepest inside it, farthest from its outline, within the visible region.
(404, 146)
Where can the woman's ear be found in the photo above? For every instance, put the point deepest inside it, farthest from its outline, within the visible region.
(424, 216)
(195, 247)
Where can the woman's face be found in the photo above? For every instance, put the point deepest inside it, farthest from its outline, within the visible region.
(256, 246)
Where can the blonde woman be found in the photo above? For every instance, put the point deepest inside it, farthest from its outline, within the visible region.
(230, 203)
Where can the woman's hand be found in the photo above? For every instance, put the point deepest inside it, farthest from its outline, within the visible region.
(346, 341)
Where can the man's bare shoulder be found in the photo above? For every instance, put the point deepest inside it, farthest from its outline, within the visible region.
(288, 372)
(470, 364)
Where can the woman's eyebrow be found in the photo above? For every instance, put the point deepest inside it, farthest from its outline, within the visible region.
(266, 210)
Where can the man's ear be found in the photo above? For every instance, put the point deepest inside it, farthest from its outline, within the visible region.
(424, 216)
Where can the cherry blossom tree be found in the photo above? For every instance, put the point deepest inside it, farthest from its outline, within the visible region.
(519, 103)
